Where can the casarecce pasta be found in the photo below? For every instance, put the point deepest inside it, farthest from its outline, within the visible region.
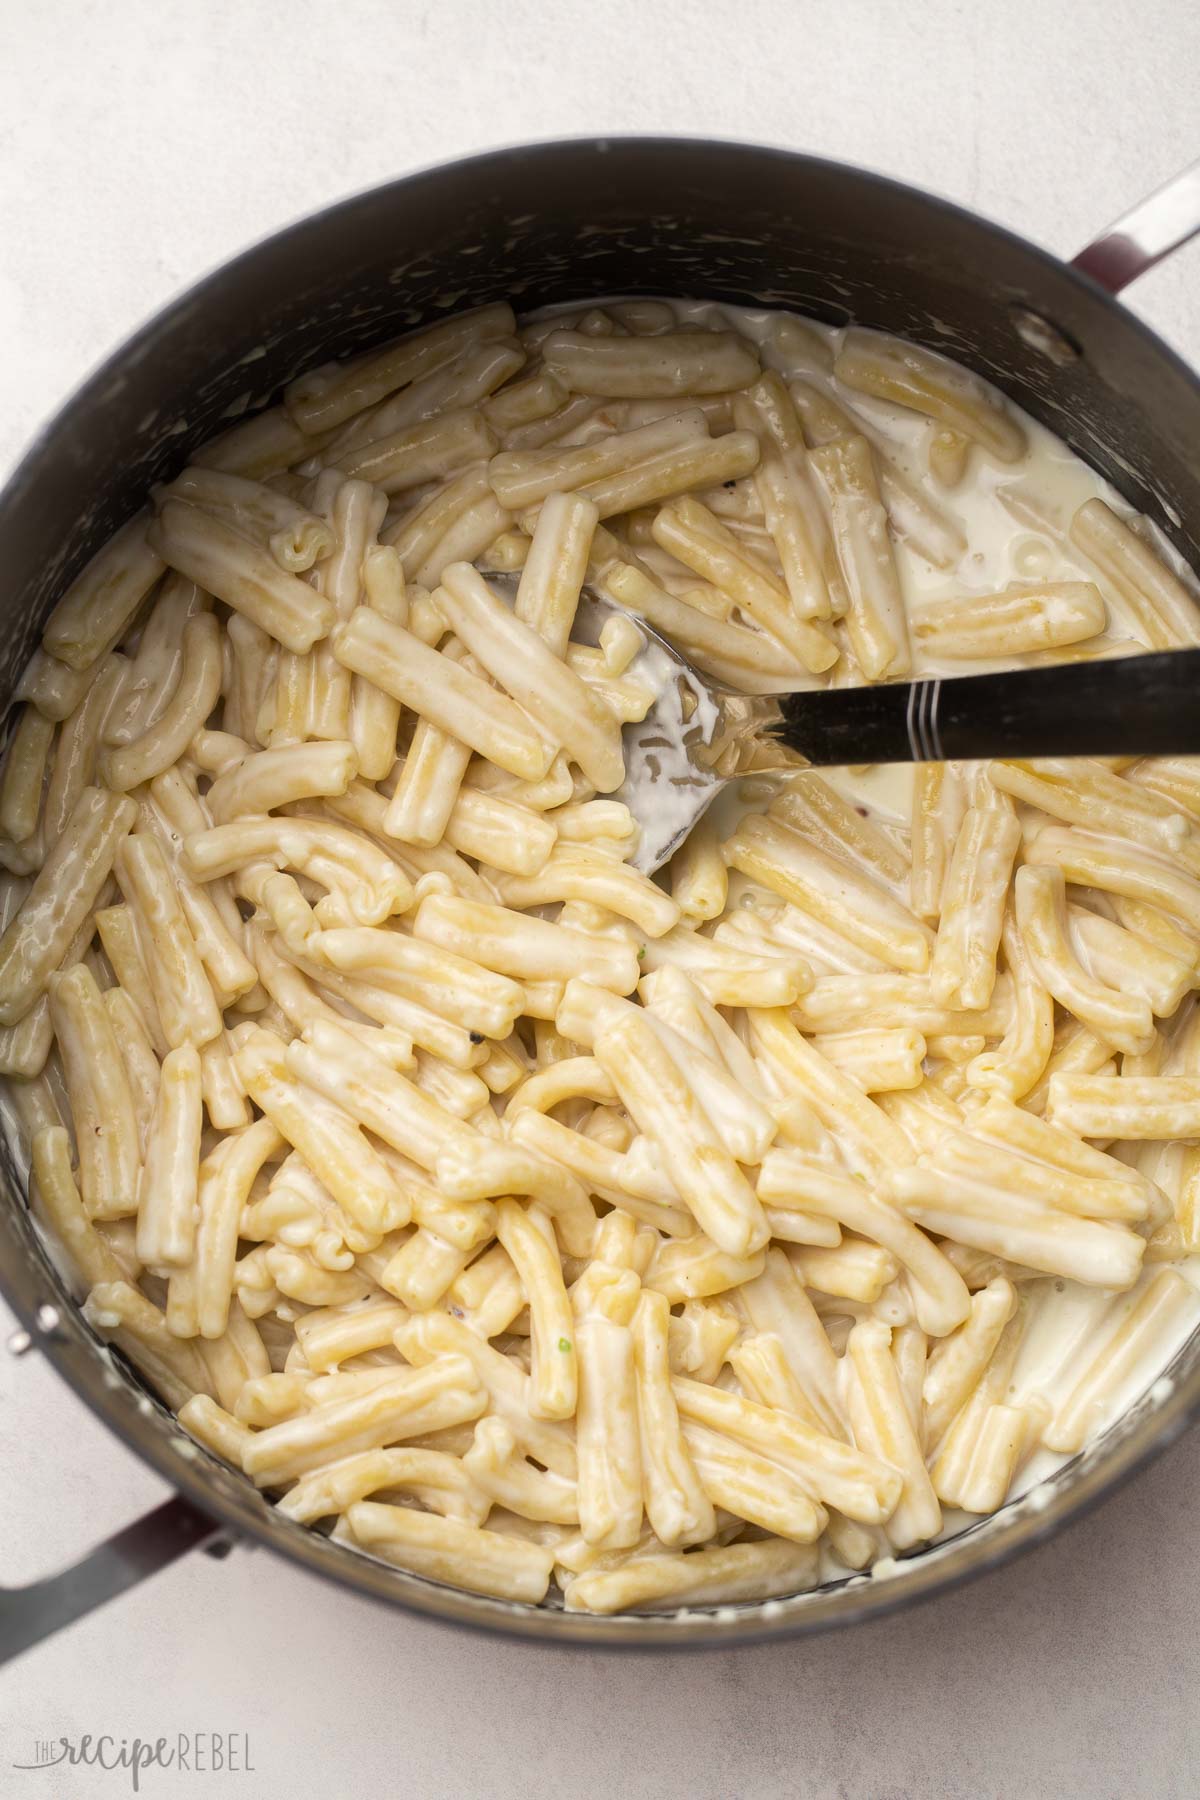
(532, 1224)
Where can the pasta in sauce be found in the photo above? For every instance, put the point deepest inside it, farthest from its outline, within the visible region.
(522, 1219)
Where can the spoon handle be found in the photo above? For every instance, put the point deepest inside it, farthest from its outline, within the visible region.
(1146, 705)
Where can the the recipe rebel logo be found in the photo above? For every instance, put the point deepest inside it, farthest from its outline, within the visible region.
(190, 1752)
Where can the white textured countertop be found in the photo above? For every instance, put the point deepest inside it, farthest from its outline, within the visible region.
(141, 144)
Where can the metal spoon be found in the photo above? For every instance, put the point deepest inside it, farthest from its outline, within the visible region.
(698, 736)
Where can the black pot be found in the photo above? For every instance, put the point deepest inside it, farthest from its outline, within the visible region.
(559, 222)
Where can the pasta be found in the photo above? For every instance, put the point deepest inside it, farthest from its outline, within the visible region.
(530, 1223)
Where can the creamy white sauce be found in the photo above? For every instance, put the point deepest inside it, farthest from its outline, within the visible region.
(1016, 519)
(1015, 516)
(1054, 1351)
(662, 785)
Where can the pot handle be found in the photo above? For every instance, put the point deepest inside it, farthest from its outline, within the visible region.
(1145, 234)
(29, 1614)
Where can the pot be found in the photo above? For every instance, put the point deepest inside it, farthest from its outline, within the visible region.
(539, 224)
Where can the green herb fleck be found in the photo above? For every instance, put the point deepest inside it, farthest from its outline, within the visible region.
(564, 1345)
(642, 954)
